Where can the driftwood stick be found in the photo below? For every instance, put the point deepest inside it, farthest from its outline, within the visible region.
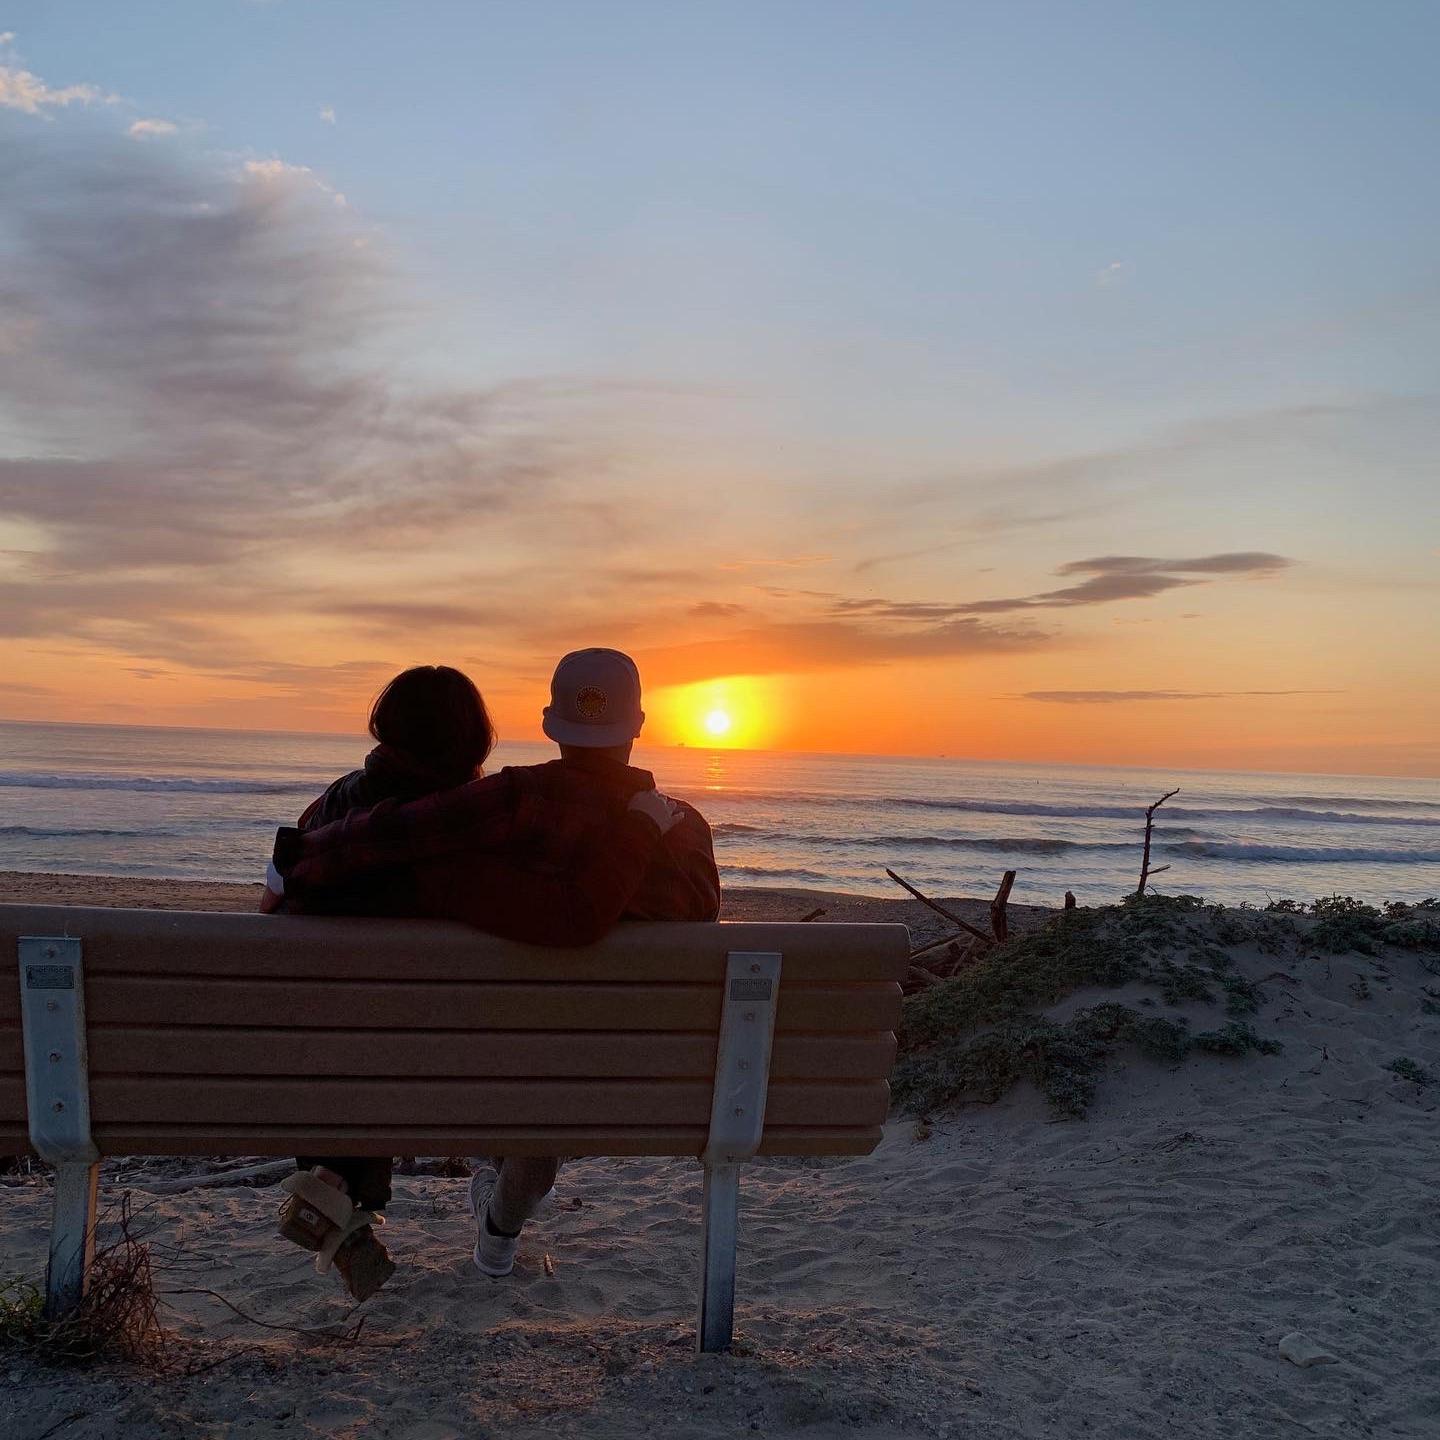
(948, 946)
(265, 1173)
(350, 1336)
(813, 915)
(999, 920)
(1145, 871)
(939, 909)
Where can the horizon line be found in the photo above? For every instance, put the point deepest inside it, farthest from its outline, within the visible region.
(759, 750)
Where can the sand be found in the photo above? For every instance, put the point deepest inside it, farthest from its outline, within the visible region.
(1130, 1275)
(20, 888)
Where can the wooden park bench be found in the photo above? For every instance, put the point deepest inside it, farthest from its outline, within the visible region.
(138, 1032)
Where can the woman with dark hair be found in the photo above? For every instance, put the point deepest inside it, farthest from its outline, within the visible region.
(434, 733)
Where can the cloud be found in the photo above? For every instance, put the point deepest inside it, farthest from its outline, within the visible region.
(20, 90)
(716, 610)
(789, 647)
(1111, 274)
(151, 129)
(848, 630)
(1108, 578)
(1124, 697)
(781, 562)
(1234, 562)
(202, 409)
(327, 114)
(410, 617)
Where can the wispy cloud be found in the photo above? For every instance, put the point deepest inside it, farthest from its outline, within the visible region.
(793, 647)
(1125, 697)
(1109, 578)
(777, 562)
(20, 90)
(151, 129)
(28, 93)
(716, 610)
(327, 114)
(200, 420)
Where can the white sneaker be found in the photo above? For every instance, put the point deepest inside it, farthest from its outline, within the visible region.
(494, 1255)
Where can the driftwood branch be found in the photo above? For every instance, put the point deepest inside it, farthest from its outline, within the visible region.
(939, 909)
(999, 920)
(950, 947)
(1145, 871)
(349, 1336)
(265, 1173)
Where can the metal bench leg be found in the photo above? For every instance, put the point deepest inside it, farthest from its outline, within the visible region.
(737, 1122)
(57, 1097)
(716, 1325)
(72, 1237)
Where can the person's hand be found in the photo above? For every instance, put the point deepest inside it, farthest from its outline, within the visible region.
(660, 809)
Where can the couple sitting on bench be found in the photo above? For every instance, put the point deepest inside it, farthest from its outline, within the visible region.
(551, 854)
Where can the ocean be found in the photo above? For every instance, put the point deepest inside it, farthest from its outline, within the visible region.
(204, 804)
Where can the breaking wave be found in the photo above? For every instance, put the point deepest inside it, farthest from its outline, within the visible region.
(57, 832)
(1046, 809)
(161, 784)
(1244, 851)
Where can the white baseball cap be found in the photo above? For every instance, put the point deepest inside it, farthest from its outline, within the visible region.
(594, 700)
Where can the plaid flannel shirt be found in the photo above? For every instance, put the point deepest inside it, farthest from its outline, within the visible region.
(544, 853)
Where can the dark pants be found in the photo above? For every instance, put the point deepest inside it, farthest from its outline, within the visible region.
(366, 1177)
(521, 1183)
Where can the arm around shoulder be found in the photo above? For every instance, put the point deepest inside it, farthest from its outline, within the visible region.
(683, 882)
(576, 906)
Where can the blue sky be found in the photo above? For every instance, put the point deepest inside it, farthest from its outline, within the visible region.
(1015, 283)
(698, 190)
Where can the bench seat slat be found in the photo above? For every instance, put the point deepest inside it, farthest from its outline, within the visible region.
(515, 1053)
(332, 1005)
(238, 1100)
(272, 1139)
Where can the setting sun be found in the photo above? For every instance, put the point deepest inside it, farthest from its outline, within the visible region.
(738, 712)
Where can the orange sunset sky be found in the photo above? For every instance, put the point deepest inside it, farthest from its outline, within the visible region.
(939, 382)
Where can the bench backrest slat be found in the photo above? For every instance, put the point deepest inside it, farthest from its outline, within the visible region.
(514, 1054)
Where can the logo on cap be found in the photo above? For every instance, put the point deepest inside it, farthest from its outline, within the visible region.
(591, 703)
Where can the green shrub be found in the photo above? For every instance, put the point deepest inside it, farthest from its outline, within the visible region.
(974, 1036)
(21, 1307)
(1236, 1038)
(1242, 996)
(1413, 927)
(1411, 1070)
(1344, 923)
